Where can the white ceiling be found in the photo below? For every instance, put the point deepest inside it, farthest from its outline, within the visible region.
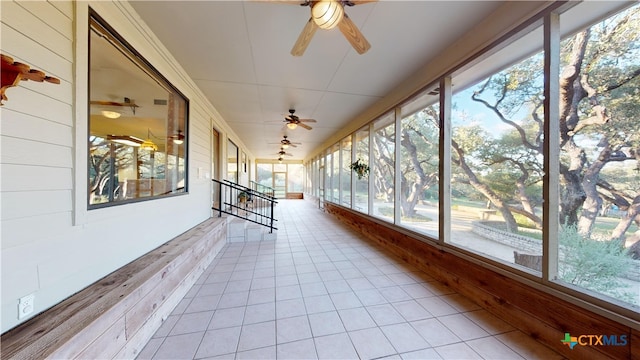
(238, 53)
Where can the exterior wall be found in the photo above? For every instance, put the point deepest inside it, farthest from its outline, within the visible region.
(51, 245)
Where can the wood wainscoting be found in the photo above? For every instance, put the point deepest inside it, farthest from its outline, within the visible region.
(542, 315)
(115, 317)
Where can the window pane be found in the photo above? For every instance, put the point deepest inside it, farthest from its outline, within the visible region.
(232, 161)
(295, 178)
(362, 184)
(328, 168)
(419, 163)
(383, 165)
(264, 175)
(599, 158)
(497, 157)
(335, 174)
(137, 124)
(345, 172)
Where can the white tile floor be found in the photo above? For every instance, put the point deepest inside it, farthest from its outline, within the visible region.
(322, 292)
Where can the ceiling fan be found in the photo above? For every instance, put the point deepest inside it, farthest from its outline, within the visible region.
(178, 138)
(327, 14)
(283, 153)
(285, 143)
(293, 121)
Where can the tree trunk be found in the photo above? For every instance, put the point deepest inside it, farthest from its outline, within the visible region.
(633, 213)
(500, 205)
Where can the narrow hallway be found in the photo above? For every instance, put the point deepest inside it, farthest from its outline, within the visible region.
(321, 291)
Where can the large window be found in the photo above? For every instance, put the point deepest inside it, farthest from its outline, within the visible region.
(345, 171)
(599, 199)
(137, 125)
(419, 163)
(537, 170)
(383, 138)
(232, 161)
(497, 158)
(361, 185)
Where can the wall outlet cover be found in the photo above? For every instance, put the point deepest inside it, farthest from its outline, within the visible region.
(26, 305)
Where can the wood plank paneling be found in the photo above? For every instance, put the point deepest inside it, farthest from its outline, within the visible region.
(94, 323)
(541, 315)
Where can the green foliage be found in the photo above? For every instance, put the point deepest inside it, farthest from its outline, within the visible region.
(594, 264)
(524, 221)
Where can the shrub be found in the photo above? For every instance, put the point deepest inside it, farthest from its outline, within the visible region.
(594, 264)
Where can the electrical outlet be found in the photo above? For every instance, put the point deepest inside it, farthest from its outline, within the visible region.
(25, 305)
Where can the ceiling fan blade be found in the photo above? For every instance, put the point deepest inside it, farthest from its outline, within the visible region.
(353, 35)
(307, 120)
(288, 2)
(305, 126)
(358, 2)
(305, 38)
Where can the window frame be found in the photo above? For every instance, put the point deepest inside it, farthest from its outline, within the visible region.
(97, 23)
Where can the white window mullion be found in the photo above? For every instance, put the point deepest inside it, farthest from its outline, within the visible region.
(397, 172)
(551, 146)
(444, 189)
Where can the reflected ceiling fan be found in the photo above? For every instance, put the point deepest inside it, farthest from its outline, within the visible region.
(112, 114)
(327, 14)
(285, 143)
(293, 121)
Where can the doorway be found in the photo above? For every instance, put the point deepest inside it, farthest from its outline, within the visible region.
(280, 184)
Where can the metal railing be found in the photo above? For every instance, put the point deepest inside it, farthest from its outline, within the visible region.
(245, 203)
(266, 190)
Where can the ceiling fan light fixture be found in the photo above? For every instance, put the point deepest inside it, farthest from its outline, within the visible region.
(292, 126)
(148, 145)
(285, 146)
(179, 138)
(327, 13)
(110, 114)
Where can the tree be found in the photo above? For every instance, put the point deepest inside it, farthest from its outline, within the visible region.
(599, 107)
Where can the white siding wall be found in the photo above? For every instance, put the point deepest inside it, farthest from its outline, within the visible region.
(51, 245)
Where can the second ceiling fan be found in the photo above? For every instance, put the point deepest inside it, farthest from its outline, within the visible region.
(292, 121)
(327, 14)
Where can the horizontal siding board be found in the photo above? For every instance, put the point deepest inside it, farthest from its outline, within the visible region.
(65, 7)
(22, 20)
(25, 126)
(21, 231)
(18, 46)
(52, 16)
(26, 152)
(35, 178)
(31, 203)
(27, 101)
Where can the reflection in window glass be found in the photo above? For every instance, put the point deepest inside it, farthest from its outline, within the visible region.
(497, 160)
(137, 124)
(232, 161)
(345, 171)
(362, 185)
(382, 170)
(419, 163)
(599, 161)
